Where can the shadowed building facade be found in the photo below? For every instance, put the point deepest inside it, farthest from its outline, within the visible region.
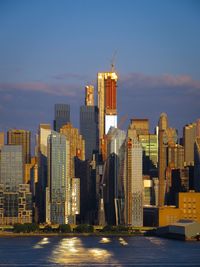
(61, 116)
(89, 122)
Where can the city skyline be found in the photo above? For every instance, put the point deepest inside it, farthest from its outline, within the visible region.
(45, 61)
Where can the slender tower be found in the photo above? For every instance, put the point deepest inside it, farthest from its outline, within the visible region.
(107, 103)
(163, 126)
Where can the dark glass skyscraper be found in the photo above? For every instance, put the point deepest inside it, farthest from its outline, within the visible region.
(89, 128)
(62, 116)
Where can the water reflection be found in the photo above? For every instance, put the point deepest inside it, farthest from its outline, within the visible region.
(156, 241)
(122, 242)
(41, 243)
(105, 240)
(72, 251)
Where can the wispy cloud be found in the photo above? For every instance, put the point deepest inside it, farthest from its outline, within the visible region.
(143, 81)
(54, 89)
(69, 75)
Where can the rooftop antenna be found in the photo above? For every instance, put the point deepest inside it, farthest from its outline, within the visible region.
(112, 61)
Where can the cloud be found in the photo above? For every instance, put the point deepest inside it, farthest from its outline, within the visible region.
(165, 81)
(69, 75)
(71, 90)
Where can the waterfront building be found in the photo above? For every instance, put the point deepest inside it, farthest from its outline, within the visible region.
(11, 166)
(59, 205)
(61, 116)
(15, 206)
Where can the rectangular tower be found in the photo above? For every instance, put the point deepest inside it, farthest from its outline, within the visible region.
(58, 179)
(23, 138)
(11, 166)
(62, 116)
(107, 102)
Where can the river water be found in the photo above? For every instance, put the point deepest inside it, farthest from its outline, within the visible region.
(98, 251)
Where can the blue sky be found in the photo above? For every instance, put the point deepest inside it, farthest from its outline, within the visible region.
(49, 50)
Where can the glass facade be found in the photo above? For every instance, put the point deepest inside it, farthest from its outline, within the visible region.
(11, 166)
(62, 116)
(59, 178)
(23, 138)
(89, 128)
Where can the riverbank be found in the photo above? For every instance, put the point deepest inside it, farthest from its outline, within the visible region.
(11, 234)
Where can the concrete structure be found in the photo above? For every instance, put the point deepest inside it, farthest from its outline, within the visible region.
(62, 116)
(23, 138)
(183, 229)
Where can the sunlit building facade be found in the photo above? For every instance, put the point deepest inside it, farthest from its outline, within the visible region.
(107, 102)
(58, 209)
(189, 137)
(23, 138)
(134, 181)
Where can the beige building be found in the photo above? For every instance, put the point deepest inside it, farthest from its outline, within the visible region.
(189, 137)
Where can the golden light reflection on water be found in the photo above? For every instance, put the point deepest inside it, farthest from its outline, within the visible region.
(105, 240)
(122, 242)
(41, 243)
(156, 241)
(72, 251)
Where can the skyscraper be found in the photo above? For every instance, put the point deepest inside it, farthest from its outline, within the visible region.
(43, 133)
(77, 149)
(1, 139)
(197, 165)
(23, 138)
(163, 126)
(107, 102)
(112, 181)
(62, 116)
(11, 166)
(134, 181)
(89, 122)
(59, 205)
(89, 95)
(189, 136)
